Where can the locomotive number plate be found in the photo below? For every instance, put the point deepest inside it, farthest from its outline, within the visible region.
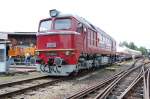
(51, 45)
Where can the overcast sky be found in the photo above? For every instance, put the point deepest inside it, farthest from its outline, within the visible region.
(124, 20)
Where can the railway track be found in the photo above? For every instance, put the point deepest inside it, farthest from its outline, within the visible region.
(139, 88)
(16, 87)
(119, 85)
(120, 88)
(97, 88)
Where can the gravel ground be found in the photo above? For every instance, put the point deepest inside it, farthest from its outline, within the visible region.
(18, 76)
(66, 88)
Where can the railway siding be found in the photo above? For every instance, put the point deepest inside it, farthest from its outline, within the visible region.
(118, 87)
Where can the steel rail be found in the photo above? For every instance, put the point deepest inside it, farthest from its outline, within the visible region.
(147, 85)
(148, 82)
(141, 76)
(137, 79)
(21, 81)
(144, 81)
(24, 81)
(11, 93)
(110, 87)
(86, 91)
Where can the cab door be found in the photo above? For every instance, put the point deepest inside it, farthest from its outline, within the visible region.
(83, 31)
(85, 34)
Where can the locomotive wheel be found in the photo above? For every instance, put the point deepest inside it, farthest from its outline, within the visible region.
(42, 68)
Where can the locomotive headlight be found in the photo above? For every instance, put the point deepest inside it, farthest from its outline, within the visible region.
(54, 13)
(67, 53)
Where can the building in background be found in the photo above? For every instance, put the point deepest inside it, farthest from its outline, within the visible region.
(22, 43)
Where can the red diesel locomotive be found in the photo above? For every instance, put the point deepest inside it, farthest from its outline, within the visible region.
(67, 44)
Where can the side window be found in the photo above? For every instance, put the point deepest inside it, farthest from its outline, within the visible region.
(89, 35)
(103, 38)
(79, 28)
(94, 38)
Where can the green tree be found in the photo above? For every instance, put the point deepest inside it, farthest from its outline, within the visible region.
(143, 50)
(132, 46)
(124, 43)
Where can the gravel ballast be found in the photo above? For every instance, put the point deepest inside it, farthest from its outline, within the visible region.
(66, 88)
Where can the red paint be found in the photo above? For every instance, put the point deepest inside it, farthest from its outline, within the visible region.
(84, 42)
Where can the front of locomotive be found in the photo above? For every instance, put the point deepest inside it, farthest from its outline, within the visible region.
(56, 45)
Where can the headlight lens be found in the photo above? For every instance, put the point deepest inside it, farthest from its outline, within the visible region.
(67, 53)
(54, 13)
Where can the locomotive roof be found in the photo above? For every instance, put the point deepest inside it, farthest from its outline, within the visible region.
(80, 19)
(104, 33)
(85, 22)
